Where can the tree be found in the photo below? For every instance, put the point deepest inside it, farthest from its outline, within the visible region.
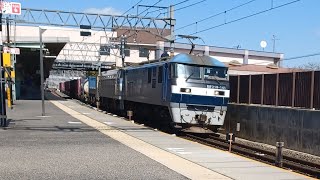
(310, 66)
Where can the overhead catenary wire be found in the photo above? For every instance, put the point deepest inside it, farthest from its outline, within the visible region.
(178, 3)
(131, 8)
(299, 57)
(82, 42)
(124, 12)
(149, 8)
(140, 14)
(190, 5)
(181, 2)
(215, 15)
(116, 19)
(156, 11)
(244, 17)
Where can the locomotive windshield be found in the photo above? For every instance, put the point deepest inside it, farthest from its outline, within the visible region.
(214, 72)
(198, 72)
(187, 71)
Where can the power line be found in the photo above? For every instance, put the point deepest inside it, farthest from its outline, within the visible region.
(181, 2)
(156, 11)
(245, 17)
(117, 18)
(196, 3)
(185, 6)
(149, 8)
(212, 16)
(299, 57)
(131, 8)
(140, 14)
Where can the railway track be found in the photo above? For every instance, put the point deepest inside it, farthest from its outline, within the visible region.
(291, 163)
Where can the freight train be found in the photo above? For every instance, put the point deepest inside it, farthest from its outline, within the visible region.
(184, 91)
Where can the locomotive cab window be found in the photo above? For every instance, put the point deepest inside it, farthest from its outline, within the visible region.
(187, 71)
(215, 72)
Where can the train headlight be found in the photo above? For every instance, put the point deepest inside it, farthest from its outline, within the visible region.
(185, 90)
(219, 93)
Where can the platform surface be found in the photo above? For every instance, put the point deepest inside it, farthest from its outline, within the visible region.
(78, 142)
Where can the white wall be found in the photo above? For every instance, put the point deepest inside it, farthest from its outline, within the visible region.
(260, 60)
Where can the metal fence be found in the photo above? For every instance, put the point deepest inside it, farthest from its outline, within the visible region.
(297, 89)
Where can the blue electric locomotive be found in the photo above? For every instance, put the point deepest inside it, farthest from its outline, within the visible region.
(186, 91)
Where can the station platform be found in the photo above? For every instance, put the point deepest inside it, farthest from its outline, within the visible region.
(74, 141)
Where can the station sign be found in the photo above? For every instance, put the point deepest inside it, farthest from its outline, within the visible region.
(15, 51)
(11, 50)
(13, 8)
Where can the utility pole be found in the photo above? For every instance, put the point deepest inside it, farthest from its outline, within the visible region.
(43, 111)
(122, 46)
(172, 22)
(121, 83)
(274, 39)
(98, 86)
(3, 115)
(8, 72)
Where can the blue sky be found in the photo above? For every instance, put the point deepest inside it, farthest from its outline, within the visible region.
(297, 26)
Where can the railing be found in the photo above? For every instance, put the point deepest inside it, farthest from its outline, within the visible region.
(297, 89)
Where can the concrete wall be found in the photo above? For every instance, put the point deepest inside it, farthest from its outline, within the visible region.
(297, 128)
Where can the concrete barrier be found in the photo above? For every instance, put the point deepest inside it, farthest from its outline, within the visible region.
(299, 129)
